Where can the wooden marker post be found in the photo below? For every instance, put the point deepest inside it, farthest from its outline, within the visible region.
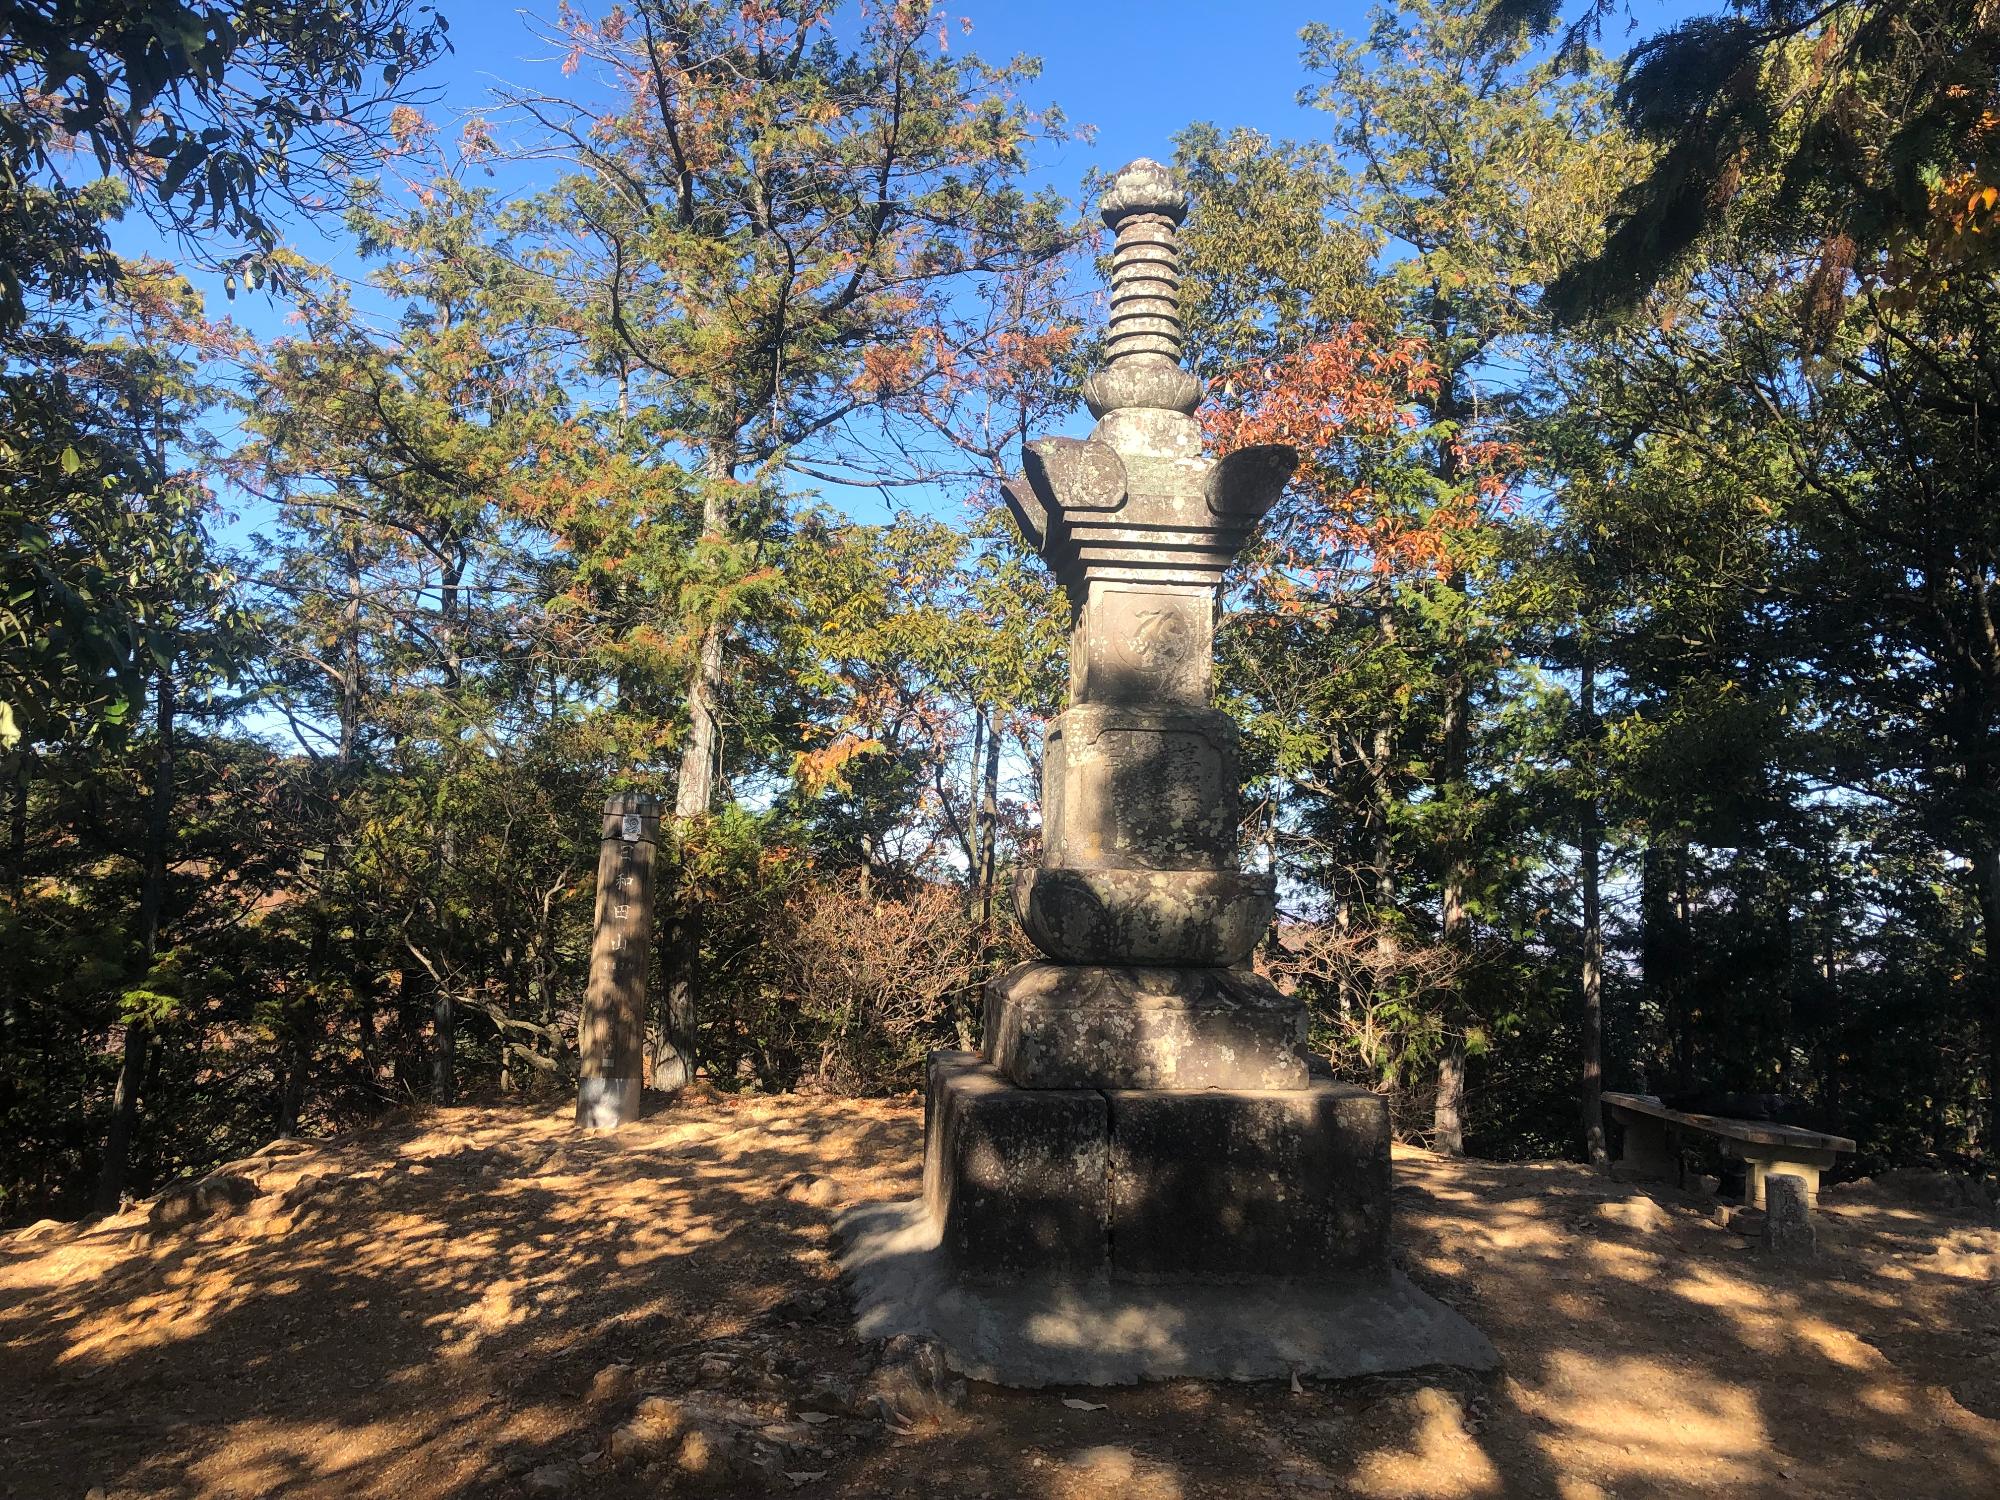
(611, 1032)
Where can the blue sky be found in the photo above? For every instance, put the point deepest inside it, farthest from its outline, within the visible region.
(1134, 73)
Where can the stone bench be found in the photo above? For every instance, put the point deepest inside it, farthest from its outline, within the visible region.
(1653, 1131)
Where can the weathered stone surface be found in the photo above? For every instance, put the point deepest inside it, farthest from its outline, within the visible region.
(1144, 645)
(1168, 528)
(705, 1457)
(1788, 1228)
(1155, 1180)
(1076, 473)
(1154, 1184)
(912, 1384)
(1151, 384)
(1248, 482)
(1139, 523)
(1143, 341)
(1143, 186)
(611, 1029)
(1761, 1163)
(1211, 918)
(1038, 1331)
(1122, 1027)
(1236, 1184)
(1164, 532)
(612, 1383)
(1140, 788)
(1015, 1177)
(635, 1440)
(552, 1479)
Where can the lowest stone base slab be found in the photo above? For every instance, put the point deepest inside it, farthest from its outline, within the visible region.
(1038, 1330)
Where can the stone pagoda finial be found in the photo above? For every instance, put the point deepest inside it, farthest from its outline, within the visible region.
(1144, 206)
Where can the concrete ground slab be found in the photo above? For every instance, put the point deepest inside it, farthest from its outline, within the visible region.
(1036, 1332)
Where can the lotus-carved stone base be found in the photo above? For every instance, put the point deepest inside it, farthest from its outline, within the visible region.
(1209, 918)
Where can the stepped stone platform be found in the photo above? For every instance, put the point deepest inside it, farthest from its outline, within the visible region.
(1036, 1331)
(1089, 1236)
(1060, 1026)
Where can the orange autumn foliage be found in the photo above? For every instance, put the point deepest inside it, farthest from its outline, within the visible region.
(1380, 483)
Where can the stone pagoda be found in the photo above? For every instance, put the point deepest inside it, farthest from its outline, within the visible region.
(1145, 1174)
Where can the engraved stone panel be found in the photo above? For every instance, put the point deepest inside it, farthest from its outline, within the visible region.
(1143, 646)
(1140, 789)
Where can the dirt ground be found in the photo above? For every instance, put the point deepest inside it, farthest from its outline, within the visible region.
(471, 1304)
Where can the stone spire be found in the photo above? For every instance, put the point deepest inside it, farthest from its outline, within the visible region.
(1144, 206)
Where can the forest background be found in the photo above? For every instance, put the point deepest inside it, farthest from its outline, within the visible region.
(1619, 678)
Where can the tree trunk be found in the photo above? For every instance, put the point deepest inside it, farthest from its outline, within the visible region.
(17, 822)
(1382, 901)
(444, 1014)
(982, 873)
(444, 1047)
(292, 1086)
(1590, 1082)
(1988, 864)
(1381, 801)
(1683, 964)
(152, 896)
(1656, 958)
(348, 686)
(1663, 953)
(1448, 1112)
(1455, 918)
(694, 789)
(989, 838)
(611, 1028)
(364, 1003)
(14, 879)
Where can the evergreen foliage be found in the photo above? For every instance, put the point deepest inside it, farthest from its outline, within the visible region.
(1620, 699)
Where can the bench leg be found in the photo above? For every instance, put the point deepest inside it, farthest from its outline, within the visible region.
(1646, 1151)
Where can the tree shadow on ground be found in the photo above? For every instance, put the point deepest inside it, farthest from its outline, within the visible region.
(428, 1309)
